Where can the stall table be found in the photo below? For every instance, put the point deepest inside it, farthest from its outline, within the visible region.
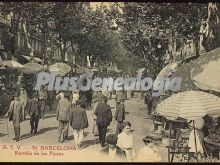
(212, 147)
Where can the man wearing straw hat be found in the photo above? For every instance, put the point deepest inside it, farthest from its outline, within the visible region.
(15, 115)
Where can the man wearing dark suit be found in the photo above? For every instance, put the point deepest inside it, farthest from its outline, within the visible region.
(15, 114)
(112, 151)
(104, 117)
(89, 97)
(34, 112)
(63, 116)
(119, 97)
(120, 116)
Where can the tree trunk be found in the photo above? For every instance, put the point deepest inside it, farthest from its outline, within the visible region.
(74, 53)
(211, 38)
(197, 46)
(63, 50)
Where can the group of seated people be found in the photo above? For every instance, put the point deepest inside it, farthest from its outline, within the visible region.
(120, 147)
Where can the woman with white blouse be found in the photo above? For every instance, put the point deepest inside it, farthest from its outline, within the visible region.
(125, 140)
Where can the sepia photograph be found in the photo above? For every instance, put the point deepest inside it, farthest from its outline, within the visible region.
(109, 82)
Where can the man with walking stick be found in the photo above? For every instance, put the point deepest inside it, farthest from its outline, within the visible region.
(15, 114)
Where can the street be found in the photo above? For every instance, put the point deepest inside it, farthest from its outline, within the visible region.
(136, 113)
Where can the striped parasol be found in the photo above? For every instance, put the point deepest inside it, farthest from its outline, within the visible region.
(190, 105)
(206, 69)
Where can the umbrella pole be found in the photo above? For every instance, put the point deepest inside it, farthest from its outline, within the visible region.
(195, 139)
(7, 126)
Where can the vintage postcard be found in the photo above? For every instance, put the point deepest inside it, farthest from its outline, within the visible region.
(109, 82)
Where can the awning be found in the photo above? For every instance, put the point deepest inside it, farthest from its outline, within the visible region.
(190, 105)
(205, 71)
(28, 58)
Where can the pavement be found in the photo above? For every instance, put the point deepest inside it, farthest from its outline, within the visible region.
(136, 114)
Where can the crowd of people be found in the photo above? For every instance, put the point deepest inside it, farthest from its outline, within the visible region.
(71, 111)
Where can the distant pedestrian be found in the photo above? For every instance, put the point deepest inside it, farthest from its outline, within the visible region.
(63, 116)
(34, 112)
(51, 96)
(119, 97)
(104, 118)
(75, 97)
(78, 121)
(23, 99)
(148, 153)
(120, 116)
(15, 115)
(42, 101)
(89, 97)
(149, 101)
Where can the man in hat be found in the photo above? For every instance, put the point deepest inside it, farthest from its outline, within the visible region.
(100, 95)
(34, 112)
(79, 121)
(120, 116)
(119, 97)
(104, 118)
(63, 116)
(15, 114)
